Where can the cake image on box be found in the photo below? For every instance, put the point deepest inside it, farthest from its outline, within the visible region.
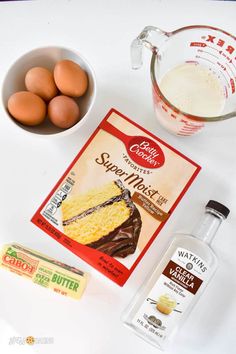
(104, 218)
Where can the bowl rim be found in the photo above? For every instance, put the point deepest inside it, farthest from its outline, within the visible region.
(63, 132)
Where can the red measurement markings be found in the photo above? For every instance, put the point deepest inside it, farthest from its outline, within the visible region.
(225, 55)
(209, 46)
(203, 58)
(188, 133)
(226, 92)
(182, 134)
(197, 44)
(192, 61)
(164, 108)
(205, 51)
(232, 63)
(227, 82)
(188, 128)
(223, 67)
(229, 67)
(232, 84)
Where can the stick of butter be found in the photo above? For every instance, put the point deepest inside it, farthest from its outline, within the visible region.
(43, 270)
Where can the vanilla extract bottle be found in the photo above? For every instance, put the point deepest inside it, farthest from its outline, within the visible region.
(169, 294)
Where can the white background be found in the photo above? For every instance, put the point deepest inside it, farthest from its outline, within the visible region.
(102, 31)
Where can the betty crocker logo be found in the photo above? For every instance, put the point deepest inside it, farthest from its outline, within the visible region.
(146, 152)
(142, 150)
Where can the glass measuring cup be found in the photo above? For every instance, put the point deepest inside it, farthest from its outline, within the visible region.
(208, 46)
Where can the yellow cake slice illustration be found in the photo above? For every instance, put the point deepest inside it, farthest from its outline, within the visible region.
(104, 218)
(166, 304)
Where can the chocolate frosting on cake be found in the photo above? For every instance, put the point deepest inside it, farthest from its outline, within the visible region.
(123, 240)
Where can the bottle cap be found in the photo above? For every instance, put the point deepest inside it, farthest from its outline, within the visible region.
(220, 208)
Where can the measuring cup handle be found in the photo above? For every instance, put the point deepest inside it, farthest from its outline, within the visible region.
(144, 39)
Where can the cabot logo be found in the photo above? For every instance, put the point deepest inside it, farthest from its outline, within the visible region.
(20, 261)
(18, 264)
(145, 152)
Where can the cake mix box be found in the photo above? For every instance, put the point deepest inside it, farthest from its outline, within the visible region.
(116, 196)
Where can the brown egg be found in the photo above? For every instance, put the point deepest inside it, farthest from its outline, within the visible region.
(41, 82)
(70, 78)
(63, 111)
(27, 108)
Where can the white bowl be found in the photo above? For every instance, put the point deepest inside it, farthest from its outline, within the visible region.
(47, 57)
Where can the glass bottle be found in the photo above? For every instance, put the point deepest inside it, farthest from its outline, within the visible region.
(169, 294)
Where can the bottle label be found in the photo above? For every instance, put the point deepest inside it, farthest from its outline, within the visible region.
(171, 295)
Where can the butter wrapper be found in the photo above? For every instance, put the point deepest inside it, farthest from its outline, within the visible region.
(43, 270)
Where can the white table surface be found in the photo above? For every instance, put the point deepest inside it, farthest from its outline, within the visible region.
(102, 32)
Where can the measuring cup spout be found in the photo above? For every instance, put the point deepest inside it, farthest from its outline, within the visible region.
(145, 39)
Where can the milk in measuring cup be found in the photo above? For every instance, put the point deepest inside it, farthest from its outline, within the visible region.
(194, 89)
